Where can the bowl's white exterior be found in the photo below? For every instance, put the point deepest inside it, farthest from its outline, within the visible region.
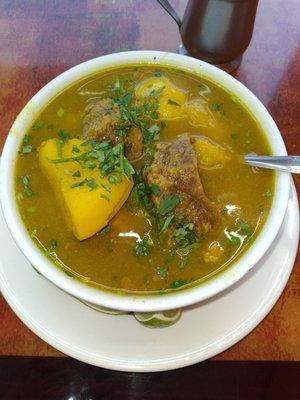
(136, 302)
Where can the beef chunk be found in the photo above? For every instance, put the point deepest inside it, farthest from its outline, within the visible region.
(134, 147)
(175, 171)
(100, 122)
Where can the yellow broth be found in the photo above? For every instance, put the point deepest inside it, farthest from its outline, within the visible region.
(242, 194)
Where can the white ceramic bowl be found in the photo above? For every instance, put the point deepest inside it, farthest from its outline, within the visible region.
(136, 302)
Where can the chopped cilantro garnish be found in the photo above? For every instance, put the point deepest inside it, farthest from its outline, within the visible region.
(37, 125)
(25, 183)
(105, 230)
(26, 139)
(168, 203)
(20, 196)
(167, 223)
(103, 196)
(63, 135)
(161, 272)
(154, 189)
(224, 211)
(178, 284)
(234, 240)
(157, 73)
(268, 193)
(234, 136)
(106, 186)
(77, 174)
(114, 179)
(173, 103)
(245, 228)
(26, 149)
(91, 183)
(75, 149)
(78, 184)
(183, 262)
(53, 243)
(184, 250)
(141, 248)
(110, 159)
(216, 106)
(89, 164)
(60, 112)
(156, 92)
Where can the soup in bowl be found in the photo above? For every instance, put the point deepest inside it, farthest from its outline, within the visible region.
(123, 181)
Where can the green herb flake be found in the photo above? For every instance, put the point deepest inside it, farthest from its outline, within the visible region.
(31, 209)
(75, 149)
(167, 222)
(268, 193)
(261, 208)
(20, 196)
(157, 73)
(53, 243)
(26, 139)
(77, 174)
(38, 125)
(173, 103)
(141, 248)
(63, 135)
(114, 179)
(168, 203)
(224, 211)
(216, 106)
(26, 149)
(156, 92)
(245, 228)
(106, 187)
(103, 196)
(169, 260)
(78, 184)
(161, 272)
(25, 183)
(105, 230)
(178, 284)
(234, 240)
(91, 183)
(234, 136)
(155, 189)
(60, 112)
(183, 262)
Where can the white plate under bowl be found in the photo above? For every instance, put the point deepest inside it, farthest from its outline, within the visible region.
(119, 342)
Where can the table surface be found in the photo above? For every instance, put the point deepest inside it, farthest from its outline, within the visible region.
(39, 39)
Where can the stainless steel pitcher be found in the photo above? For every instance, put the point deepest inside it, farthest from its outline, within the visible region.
(216, 31)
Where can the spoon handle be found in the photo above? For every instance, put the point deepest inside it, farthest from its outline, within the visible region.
(280, 163)
(170, 10)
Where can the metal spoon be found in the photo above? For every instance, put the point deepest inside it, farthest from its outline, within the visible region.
(280, 163)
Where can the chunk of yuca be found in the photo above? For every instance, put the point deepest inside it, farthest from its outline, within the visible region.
(198, 113)
(170, 99)
(210, 154)
(86, 210)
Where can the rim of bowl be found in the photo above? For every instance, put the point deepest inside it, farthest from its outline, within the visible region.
(131, 302)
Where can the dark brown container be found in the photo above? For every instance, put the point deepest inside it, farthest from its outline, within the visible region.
(216, 31)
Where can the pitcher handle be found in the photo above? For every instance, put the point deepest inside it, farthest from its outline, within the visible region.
(170, 10)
